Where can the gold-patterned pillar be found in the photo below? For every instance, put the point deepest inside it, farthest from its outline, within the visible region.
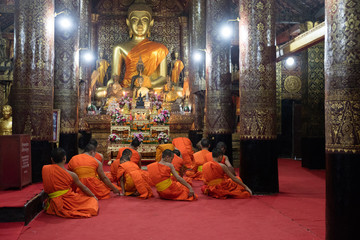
(342, 118)
(85, 67)
(184, 41)
(219, 108)
(257, 57)
(66, 86)
(197, 32)
(32, 91)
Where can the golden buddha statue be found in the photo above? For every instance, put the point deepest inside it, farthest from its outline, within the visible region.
(170, 94)
(153, 54)
(176, 68)
(138, 80)
(114, 92)
(6, 121)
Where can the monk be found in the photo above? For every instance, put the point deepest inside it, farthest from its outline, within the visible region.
(216, 185)
(63, 201)
(161, 148)
(185, 146)
(224, 160)
(199, 158)
(167, 188)
(180, 167)
(91, 174)
(98, 155)
(115, 165)
(136, 156)
(133, 180)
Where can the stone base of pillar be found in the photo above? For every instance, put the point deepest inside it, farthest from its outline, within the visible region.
(342, 196)
(226, 138)
(259, 166)
(69, 142)
(40, 156)
(313, 152)
(195, 136)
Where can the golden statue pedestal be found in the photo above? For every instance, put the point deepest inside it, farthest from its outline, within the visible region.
(180, 124)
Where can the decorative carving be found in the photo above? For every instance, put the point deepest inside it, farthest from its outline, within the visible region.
(32, 92)
(292, 84)
(257, 68)
(342, 70)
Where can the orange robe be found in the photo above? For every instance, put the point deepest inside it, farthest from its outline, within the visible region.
(85, 167)
(69, 204)
(161, 148)
(185, 146)
(114, 169)
(135, 157)
(152, 54)
(178, 162)
(199, 158)
(135, 179)
(166, 187)
(218, 186)
(98, 157)
(175, 72)
(208, 157)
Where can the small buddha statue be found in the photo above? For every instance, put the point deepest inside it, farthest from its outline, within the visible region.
(114, 91)
(140, 102)
(153, 54)
(176, 68)
(169, 91)
(6, 121)
(139, 80)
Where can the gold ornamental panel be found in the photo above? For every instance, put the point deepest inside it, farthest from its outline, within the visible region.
(292, 84)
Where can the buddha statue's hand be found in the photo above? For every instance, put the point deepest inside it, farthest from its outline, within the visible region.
(158, 82)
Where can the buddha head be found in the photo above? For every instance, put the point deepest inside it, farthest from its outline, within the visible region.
(7, 111)
(139, 19)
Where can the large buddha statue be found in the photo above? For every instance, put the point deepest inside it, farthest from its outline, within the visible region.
(153, 54)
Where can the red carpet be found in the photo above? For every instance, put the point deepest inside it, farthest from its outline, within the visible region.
(296, 213)
(17, 198)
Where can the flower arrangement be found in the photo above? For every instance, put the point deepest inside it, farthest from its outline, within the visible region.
(163, 137)
(120, 119)
(114, 138)
(156, 101)
(125, 100)
(165, 113)
(139, 136)
(159, 118)
(112, 107)
(91, 109)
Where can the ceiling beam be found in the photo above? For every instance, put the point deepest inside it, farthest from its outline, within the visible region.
(302, 41)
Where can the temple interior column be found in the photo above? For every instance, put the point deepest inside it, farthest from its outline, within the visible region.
(342, 118)
(66, 87)
(85, 67)
(258, 161)
(219, 108)
(197, 32)
(184, 40)
(32, 91)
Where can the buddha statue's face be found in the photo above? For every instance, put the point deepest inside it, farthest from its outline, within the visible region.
(139, 23)
(7, 112)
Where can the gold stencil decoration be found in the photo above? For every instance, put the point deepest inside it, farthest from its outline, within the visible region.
(292, 84)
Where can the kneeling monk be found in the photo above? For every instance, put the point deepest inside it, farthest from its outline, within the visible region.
(91, 173)
(167, 188)
(133, 180)
(217, 185)
(62, 200)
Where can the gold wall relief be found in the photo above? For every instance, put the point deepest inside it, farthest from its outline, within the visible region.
(292, 84)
